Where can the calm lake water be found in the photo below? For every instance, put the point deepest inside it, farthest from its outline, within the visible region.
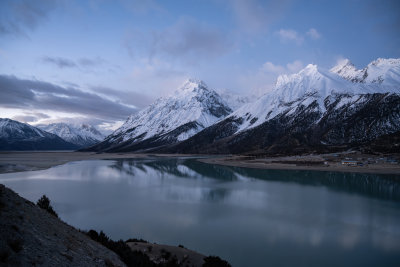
(249, 217)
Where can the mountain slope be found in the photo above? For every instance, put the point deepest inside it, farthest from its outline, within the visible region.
(15, 135)
(168, 120)
(81, 135)
(313, 108)
(31, 236)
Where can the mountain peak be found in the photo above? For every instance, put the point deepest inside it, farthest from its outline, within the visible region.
(195, 81)
(193, 85)
(343, 65)
(310, 69)
(385, 61)
(187, 111)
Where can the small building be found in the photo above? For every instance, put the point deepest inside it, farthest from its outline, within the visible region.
(349, 162)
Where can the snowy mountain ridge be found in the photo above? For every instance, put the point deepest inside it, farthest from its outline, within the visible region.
(10, 128)
(193, 102)
(312, 108)
(79, 134)
(316, 84)
(15, 135)
(381, 71)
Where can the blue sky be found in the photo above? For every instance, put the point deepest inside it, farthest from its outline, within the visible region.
(127, 53)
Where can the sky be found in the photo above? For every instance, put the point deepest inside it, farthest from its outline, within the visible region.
(100, 61)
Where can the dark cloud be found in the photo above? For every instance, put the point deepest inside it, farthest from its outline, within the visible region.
(60, 62)
(18, 16)
(33, 94)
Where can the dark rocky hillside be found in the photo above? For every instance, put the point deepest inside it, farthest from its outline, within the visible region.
(30, 236)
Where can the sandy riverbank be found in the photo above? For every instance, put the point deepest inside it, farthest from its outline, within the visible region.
(27, 161)
(312, 162)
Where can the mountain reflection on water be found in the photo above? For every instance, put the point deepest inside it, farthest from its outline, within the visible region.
(369, 184)
(250, 217)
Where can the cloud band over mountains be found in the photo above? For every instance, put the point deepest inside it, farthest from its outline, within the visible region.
(33, 94)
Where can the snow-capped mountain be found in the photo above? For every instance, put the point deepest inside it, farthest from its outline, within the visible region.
(82, 135)
(312, 107)
(15, 135)
(312, 84)
(382, 71)
(177, 117)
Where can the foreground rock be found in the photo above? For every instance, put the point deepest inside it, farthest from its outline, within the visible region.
(31, 236)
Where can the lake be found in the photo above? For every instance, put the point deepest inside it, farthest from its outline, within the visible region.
(249, 217)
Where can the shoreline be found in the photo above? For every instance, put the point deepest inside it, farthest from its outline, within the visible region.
(36, 160)
(271, 164)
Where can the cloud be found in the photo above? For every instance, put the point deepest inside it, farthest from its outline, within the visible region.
(255, 16)
(289, 68)
(294, 66)
(136, 99)
(30, 117)
(271, 67)
(60, 62)
(288, 35)
(313, 34)
(90, 62)
(84, 62)
(158, 77)
(263, 80)
(16, 17)
(187, 40)
(38, 95)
